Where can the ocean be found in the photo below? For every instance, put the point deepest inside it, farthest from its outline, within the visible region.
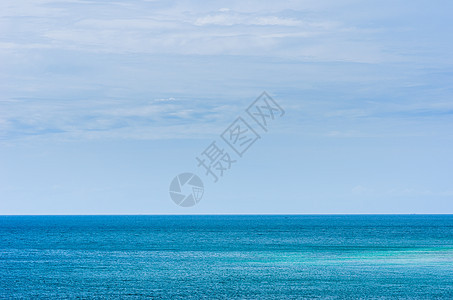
(227, 257)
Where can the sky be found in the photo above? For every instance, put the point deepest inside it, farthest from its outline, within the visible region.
(103, 103)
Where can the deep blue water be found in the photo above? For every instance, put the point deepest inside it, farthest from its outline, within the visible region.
(247, 257)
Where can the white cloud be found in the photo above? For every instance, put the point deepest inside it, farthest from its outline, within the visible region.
(279, 36)
(165, 99)
(361, 190)
(301, 30)
(128, 24)
(164, 118)
(230, 19)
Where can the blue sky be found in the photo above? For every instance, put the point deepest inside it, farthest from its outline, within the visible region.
(102, 103)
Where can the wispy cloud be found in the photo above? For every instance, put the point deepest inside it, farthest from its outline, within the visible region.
(102, 59)
(160, 118)
(137, 27)
(236, 19)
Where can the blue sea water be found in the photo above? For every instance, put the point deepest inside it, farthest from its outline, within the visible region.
(244, 257)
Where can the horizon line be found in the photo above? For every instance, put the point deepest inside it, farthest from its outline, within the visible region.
(238, 214)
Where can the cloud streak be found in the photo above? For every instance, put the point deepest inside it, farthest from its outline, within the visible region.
(74, 66)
